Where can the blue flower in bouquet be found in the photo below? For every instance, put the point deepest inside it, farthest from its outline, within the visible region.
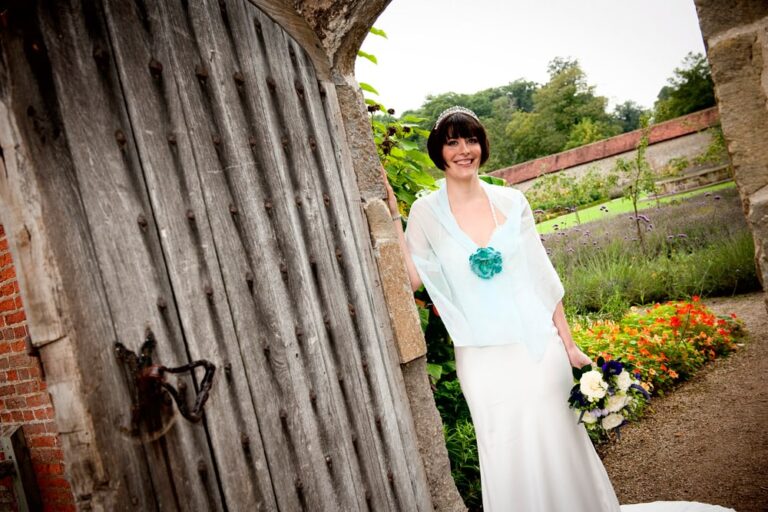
(612, 367)
(485, 262)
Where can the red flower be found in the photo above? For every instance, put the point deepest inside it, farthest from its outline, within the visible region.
(674, 321)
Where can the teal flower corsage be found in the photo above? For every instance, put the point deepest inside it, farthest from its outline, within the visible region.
(485, 262)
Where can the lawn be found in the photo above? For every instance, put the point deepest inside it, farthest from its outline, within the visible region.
(619, 206)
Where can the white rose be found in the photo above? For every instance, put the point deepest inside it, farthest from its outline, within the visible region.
(588, 418)
(616, 402)
(624, 380)
(612, 421)
(592, 385)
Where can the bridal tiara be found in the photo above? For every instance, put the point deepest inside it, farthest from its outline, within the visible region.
(454, 110)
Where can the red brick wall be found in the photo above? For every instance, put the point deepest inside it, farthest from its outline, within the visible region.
(667, 130)
(23, 396)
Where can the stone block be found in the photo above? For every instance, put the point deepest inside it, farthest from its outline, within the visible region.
(394, 282)
(716, 16)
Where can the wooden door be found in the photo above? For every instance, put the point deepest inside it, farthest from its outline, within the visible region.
(198, 163)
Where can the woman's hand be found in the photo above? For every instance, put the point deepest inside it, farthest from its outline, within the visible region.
(576, 357)
(394, 210)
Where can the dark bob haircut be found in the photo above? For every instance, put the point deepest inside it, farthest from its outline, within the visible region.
(454, 126)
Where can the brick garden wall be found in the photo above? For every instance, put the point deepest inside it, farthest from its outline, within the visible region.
(24, 398)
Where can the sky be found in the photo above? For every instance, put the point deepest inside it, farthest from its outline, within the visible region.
(627, 48)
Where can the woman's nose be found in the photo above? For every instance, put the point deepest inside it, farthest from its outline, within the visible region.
(463, 146)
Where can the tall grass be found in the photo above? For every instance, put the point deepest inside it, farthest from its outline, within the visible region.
(701, 246)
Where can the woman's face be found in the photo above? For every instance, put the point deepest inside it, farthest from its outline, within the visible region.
(462, 156)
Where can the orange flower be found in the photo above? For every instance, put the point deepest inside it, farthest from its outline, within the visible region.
(673, 374)
(695, 298)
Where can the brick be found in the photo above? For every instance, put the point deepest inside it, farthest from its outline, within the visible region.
(5, 259)
(52, 481)
(3, 244)
(19, 346)
(38, 400)
(17, 416)
(25, 374)
(3, 361)
(16, 402)
(55, 494)
(5, 347)
(15, 318)
(28, 415)
(44, 414)
(7, 290)
(31, 429)
(7, 390)
(43, 441)
(12, 375)
(7, 305)
(20, 332)
(25, 388)
(47, 455)
(18, 302)
(7, 274)
(19, 361)
(61, 507)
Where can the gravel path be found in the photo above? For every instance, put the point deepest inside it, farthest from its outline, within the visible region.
(707, 440)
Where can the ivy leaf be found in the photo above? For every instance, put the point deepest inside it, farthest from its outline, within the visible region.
(435, 371)
(368, 88)
(378, 32)
(369, 56)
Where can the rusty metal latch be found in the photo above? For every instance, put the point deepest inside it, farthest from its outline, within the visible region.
(149, 381)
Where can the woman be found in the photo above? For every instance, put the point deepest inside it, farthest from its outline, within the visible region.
(475, 248)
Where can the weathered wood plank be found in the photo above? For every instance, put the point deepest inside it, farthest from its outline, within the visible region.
(102, 468)
(314, 225)
(110, 184)
(291, 369)
(199, 294)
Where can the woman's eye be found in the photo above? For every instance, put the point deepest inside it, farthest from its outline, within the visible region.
(473, 140)
(452, 142)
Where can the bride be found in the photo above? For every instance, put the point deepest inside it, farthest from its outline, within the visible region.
(475, 248)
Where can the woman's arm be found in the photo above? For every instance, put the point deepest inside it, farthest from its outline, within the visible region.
(576, 357)
(413, 275)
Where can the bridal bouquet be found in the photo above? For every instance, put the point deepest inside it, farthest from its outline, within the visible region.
(605, 395)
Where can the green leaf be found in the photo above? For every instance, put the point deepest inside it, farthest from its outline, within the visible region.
(368, 88)
(378, 32)
(493, 180)
(369, 56)
(435, 371)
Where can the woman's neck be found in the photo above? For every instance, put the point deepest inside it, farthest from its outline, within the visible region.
(461, 191)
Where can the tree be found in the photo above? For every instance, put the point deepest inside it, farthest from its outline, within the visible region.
(566, 113)
(688, 90)
(629, 115)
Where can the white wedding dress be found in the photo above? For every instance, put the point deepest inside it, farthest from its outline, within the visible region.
(534, 456)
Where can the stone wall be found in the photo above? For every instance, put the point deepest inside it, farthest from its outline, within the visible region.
(736, 36)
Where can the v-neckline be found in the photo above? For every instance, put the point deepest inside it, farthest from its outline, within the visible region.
(458, 227)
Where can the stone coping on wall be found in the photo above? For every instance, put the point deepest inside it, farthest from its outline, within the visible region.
(619, 144)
